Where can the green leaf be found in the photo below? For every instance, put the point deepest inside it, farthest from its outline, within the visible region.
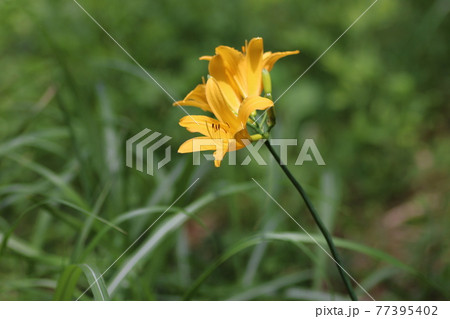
(268, 289)
(96, 283)
(67, 283)
(33, 139)
(26, 250)
(294, 238)
(52, 177)
(168, 227)
(342, 243)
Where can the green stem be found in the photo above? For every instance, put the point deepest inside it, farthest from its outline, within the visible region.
(318, 221)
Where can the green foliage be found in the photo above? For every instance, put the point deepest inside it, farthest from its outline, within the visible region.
(375, 104)
(69, 278)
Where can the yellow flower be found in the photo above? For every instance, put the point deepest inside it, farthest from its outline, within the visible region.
(232, 93)
(239, 74)
(228, 132)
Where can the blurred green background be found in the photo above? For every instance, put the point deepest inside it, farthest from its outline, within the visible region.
(376, 105)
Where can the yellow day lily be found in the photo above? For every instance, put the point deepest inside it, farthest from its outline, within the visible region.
(228, 131)
(239, 74)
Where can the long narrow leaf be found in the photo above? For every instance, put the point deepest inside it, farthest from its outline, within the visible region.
(69, 278)
(166, 228)
(294, 238)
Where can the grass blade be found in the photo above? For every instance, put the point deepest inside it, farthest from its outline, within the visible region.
(69, 278)
(67, 283)
(295, 239)
(167, 228)
(96, 282)
(268, 289)
(26, 250)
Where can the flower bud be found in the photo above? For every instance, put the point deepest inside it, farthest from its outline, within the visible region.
(267, 83)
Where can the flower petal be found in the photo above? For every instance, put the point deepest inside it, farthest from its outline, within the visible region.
(219, 105)
(220, 152)
(251, 104)
(205, 58)
(254, 66)
(205, 125)
(200, 143)
(233, 61)
(230, 56)
(270, 58)
(206, 144)
(197, 98)
(218, 71)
